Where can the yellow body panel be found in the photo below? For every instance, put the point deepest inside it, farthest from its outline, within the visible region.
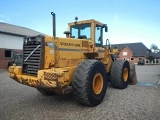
(49, 78)
(49, 54)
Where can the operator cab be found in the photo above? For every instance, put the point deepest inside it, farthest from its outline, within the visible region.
(88, 30)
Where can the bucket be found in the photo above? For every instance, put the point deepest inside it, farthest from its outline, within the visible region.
(133, 76)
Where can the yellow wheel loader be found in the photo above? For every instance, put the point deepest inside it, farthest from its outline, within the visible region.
(51, 64)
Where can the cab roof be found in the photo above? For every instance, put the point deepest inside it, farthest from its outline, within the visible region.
(86, 21)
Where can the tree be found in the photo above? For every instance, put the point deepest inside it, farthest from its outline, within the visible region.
(154, 48)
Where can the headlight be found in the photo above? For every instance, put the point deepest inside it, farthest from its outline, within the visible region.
(51, 45)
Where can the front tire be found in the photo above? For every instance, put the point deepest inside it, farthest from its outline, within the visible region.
(120, 73)
(89, 82)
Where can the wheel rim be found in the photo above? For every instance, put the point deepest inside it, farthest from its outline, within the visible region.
(125, 74)
(97, 83)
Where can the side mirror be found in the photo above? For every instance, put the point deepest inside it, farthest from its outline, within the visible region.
(105, 27)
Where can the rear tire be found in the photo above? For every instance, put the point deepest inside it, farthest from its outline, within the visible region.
(89, 82)
(120, 73)
(46, 92)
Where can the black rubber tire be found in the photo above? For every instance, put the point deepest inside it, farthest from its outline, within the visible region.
(46, 92)
(117, 80)
(82, 82)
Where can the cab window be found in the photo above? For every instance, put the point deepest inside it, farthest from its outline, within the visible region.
(81, 31)
(98, 35)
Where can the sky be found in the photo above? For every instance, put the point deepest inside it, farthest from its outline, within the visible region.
(128, 21)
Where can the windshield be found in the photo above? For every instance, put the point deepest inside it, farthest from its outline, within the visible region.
(81, 31)
(18, 57)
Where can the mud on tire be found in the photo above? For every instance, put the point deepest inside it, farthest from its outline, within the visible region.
(89, 82)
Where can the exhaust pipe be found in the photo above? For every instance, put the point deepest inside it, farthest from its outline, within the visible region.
(54, 23)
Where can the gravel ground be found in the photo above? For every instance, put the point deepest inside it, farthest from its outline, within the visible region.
(137, 102)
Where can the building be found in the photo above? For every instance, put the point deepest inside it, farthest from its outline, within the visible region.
(153, 58)
(132, 52)
(11, 41)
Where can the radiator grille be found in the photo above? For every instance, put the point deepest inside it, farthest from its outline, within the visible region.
(33, 55)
